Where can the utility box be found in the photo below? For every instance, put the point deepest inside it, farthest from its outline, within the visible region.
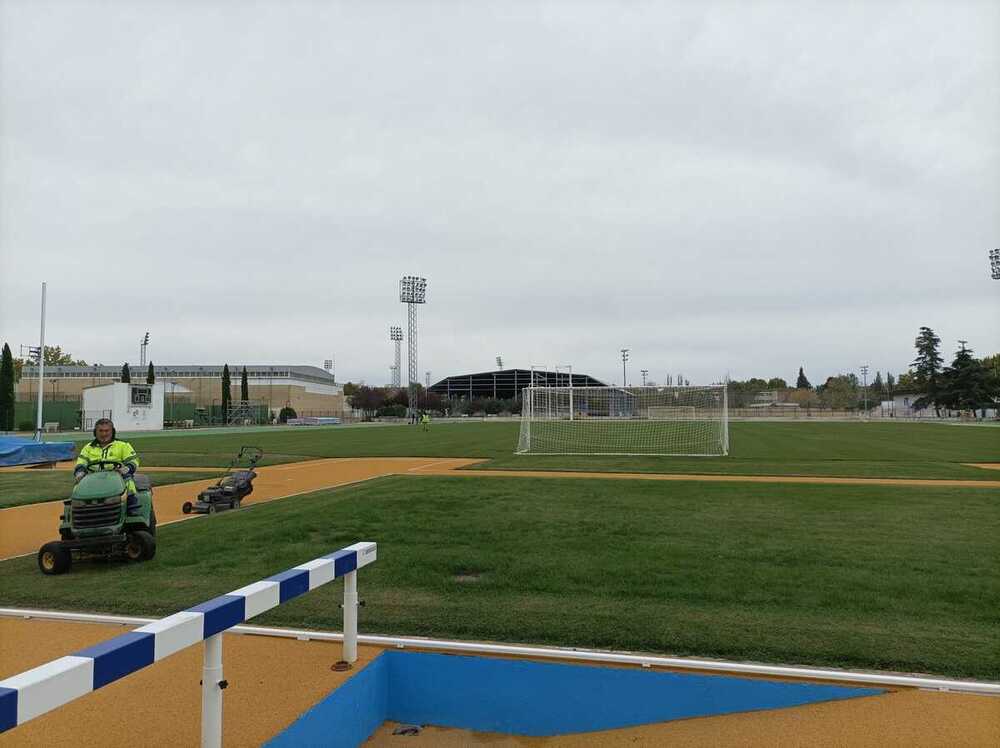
(133, 407)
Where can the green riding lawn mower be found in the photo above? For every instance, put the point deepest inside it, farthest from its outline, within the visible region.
(96, 523)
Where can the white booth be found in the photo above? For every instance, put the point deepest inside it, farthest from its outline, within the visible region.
(133, 407)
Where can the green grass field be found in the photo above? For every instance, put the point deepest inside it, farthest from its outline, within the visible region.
(874, 577)
(46, 485)
(865, 576)
(873, 450)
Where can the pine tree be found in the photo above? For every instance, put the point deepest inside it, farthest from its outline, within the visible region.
(126, 374)
(878, 387)
(927, 369)
(226, 392)
(6, 390)
(244, 386)
(150, 374)
(890, 384)
(802, 383)
(965, 385)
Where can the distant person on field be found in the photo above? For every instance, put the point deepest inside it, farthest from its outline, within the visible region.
(106, 446)
(425, 420)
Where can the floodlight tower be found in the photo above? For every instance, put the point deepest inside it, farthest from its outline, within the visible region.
(864, 373)
(624, 359)
(644, 372)
(412, 291)
(396, 336)
(995, 264)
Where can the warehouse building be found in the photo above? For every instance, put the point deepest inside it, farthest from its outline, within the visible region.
(192, 391)
(506, 384)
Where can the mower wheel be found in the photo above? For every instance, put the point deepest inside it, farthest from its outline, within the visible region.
(187, 507)
(140, 546)
(54, 559)
(211, 508)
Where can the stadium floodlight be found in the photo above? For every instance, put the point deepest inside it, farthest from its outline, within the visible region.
(689, 421)
(412, 291)
(396, 336)
(644, 372)
(864, 374)
(499, 363)
(995, 264)
(624, 359)
(143, 342)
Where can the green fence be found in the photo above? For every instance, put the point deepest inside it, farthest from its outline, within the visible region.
(64, 412)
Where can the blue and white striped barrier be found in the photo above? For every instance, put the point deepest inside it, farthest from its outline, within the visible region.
(41, 689)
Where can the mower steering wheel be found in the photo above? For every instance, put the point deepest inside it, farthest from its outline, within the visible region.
(116, 465)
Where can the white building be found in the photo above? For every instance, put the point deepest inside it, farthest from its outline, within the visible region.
(133, 407)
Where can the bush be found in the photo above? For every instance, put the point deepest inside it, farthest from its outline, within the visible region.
(26, 426)
(391, 411)
(286, 413)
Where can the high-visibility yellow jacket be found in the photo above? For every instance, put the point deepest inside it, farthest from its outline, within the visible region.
(116, 450)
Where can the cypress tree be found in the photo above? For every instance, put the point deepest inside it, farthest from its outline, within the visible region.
(150, 374)
(927, 368)
(244, 386)
(6, 390)
(126, 374)
(226, 392)
(802, 383)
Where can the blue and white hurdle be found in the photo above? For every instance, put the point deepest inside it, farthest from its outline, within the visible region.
(46, 687)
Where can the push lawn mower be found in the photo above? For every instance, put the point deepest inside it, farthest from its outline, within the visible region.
(96, 523)
(232, 488)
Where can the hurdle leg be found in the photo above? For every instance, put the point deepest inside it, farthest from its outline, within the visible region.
(350, 654)
(211, 693)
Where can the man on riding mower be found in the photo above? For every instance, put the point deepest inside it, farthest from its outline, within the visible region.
(106, 447)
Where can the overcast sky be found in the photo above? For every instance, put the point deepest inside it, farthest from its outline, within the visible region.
(719, 187)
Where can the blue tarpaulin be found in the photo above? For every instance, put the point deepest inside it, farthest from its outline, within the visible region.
(16, 450)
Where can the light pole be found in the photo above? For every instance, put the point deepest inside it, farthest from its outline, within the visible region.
(499, 362)
(644, 373)
(396, 336)
(142, 349)
(864, 374)
(412, 291)
(624, 359)
(995, 264)
(41, 370)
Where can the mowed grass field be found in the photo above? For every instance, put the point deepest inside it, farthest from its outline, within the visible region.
(873, 450)
(31, 487)
(853, 576)
(899, 578)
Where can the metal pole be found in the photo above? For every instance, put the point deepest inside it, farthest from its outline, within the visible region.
(571, 392)
(211, 693)
(41, 371)
(351, 617)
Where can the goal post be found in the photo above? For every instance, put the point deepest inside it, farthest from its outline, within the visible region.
(688, 421)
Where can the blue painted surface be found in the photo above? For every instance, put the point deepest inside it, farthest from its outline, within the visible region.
(520, 697)
(120, 656)
(293, 583)
(8, 708)
(359, 707)
(220, 613)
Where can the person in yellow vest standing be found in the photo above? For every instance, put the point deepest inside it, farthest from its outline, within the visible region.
(425, 420)
(107, 447)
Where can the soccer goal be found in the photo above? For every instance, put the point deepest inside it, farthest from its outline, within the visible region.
(691, 421)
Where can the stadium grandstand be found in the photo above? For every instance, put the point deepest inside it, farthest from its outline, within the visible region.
(506, 384)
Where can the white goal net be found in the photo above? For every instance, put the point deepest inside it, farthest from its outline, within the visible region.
(691, 421)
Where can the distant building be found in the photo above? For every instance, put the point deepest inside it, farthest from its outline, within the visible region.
(308, 389)
(506, 384)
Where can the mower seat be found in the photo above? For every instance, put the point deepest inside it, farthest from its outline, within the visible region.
(142, 482)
